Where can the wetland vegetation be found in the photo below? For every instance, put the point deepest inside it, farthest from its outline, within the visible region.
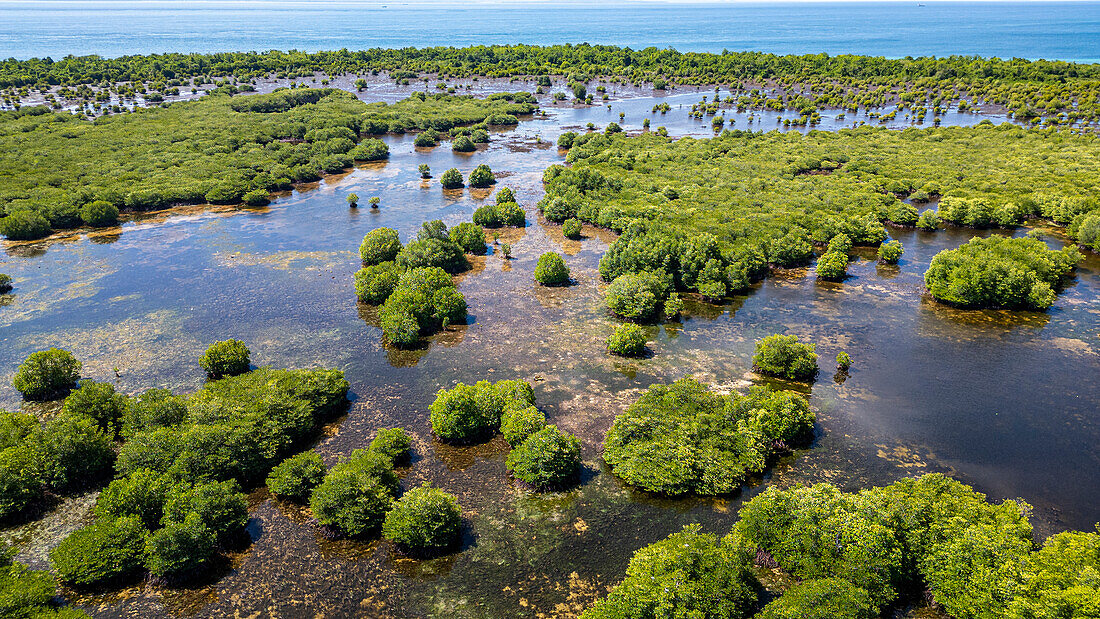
(445, 483)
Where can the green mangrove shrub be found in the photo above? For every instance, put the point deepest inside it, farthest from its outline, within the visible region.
(519, 422)
(481, 176)
(100, 402)
(99, 213)
(636, 296)
(999, 272)
(687, 574)
(551, 270)
(571, 228)
(682, 438)
(784, 356)
(470, 237)
(451, 179)
(393, 443)
(469, 413)
(228, 358)
(103, 553)
(374, 284)
(549, 459)
(890, 253)
(628, 340)
(355, 495)
(379, 245)
(425, 520)
(297, 476)
(832, 265)
(46, 374)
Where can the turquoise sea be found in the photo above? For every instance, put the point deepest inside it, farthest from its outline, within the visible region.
(1050, 30)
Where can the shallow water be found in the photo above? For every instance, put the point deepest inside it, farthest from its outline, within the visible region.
(1002, 400)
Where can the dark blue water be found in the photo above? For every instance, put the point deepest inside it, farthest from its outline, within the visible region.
(1050, 30)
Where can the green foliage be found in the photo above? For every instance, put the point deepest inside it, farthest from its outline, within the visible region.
(100, 402)
(27, 593)
(481, 176)
(822, 598)
(628, 340)
(141, 494)
(689, 574)
(21, 480)
(636, 296)
(682, 438)
(978, 212)
(101, 553)
(228, 358)
(220, 505)
(239, 427)
(216, 149)
(469, 413)
(433, 252)
(1000, 272)
(784, 356)
(355, 495)
(46, 374)
(505, 194)
(890, 253)
(370, 150)
(843, 361)
(928, 221)
(1086, 229)
(463, 144)
(832, 265)
(426, 139)
(551, 270)
(393, 443)
(470, 237)
(99, 213)
(425, 519)
(379, 245)
(154, 408)
(424, 296)
(256, 197)
(457, 415)
(549, 459)
(571, 228)
(179, 550)
(819, 532)
(297, 476)
(451, 179)
(14, 427)
(5, 283)
(24, 225)
(73, 452)
(352, 199)
(517, 423)
(374, 284)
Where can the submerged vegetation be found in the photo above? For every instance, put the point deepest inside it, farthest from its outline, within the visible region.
(218, 149)
(682, 438)
(855, 554)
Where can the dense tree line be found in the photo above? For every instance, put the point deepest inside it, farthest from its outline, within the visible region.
(62, 172)
(856, 555)
(1029, 89)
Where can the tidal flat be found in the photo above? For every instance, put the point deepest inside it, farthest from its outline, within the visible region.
(1000, 400)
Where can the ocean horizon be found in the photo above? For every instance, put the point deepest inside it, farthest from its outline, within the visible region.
(1032, 30)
